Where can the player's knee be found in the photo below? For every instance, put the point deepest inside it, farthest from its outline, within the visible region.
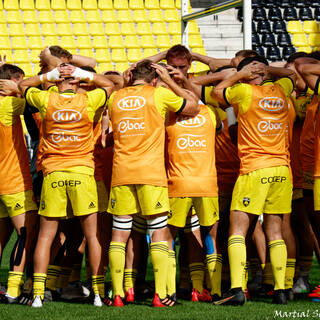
(156, 224)
(122, 224)
(192, 224)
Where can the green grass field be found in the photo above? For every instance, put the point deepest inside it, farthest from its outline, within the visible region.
(252, 310)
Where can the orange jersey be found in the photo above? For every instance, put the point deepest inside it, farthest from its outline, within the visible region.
(139, 134)
(227, 160)
(307, 145)
(262, 136)
(191, 166)
(15, 173)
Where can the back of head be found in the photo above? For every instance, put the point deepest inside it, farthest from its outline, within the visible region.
(9, 71)
(296, 55)
(144, 71)
(248, 60)
(179, 51)
(59, 52)
(246, 53)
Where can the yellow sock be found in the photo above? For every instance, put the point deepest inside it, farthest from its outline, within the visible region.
(52, 277)
(39, 282)
(290, 269)
(197, 275)
(278, 258)
(263, 265)
(76, 273)
(171, 276)
(214, 265)
(14, 283)
(130, 276)
(267, 274)
(64, 276)
(245, 277)
(237, 259)
(305, 263)
(159, 257)
(98, 284)
(117, 256)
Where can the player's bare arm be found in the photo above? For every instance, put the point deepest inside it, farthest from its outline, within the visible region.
(309, 69)
(213, 63)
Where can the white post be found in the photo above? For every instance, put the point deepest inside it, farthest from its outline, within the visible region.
(247, 25)
(184, 25)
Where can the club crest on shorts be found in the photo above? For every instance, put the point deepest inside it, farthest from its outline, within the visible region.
(246, 201)
(113, 202)
(43, 205)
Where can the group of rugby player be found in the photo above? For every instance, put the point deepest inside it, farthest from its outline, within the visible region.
(125, 164)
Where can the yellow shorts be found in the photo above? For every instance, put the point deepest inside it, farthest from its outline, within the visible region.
(206, 208)
(308, 180)
(12, 205)
(59, 187)
(102, 196)
(267, 190)
(297, 193)
(138, 199)
(316, 194)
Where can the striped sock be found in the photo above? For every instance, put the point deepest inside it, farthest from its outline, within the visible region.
(267, 274)
(130, 276)
(171, 276)
(278, 258)
(197, 275)
(214, 264)
(98, 285)
(237, 259)
(290, 269)
(117, 256)
(159, 257)
(39, 283)
(245, 277)
(76, 273)
(52, 277)
(64, 276)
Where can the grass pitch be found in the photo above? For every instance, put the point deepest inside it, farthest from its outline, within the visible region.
(253, 310)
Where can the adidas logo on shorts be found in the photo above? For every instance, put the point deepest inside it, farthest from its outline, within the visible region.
(158, 205)
(17, 206)
(92, 205)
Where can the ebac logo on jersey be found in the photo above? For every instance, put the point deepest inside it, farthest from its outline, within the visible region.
(67, 115)
(272, 104)
(191, 122)
(131, 103)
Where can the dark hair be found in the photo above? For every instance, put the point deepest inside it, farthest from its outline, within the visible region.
(223, 68)
(88, 68)
(247, 61)
(144, 71)
(246, 53)
(59, 52)
(295, 56)
(8, 71)
(179, 51)
(314, 55)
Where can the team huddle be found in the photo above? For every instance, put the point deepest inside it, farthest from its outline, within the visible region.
(120, 166)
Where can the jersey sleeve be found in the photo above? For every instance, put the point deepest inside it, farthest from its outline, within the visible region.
(109, 104)
(165, 100)
(18, 106)
(206, 97)
(239, 95)
(37, 98)
(96, 99)
(212, 115)
(287, 85)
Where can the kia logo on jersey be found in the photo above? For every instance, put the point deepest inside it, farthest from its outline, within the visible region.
(272, 104)
(67, 116)
(191, 122)
(131, 103)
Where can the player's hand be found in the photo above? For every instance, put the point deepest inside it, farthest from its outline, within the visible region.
(8, 87)
(162, 72)
(66, 70)
(127, 76)
(176, 74)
